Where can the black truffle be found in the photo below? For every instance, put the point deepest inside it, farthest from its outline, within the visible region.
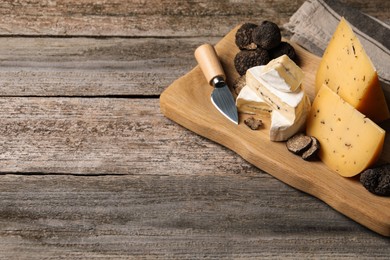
(304, 145)
(311, 153)
(377, 180)
(253, 123)
(244, 37)
(267, 35)
(299, 143)
(246, 59)
(281, 49)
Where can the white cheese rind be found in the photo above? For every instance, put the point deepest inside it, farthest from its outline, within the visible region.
(283, 74)
(289, 104)
(282, 129)
(274, 87)
(249, 103)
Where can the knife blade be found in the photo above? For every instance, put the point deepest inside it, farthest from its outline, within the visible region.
(221, 97)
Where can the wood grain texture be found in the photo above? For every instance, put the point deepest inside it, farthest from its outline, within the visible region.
(102, 136)
(92, 66)
(178, 216)
(170, 18)
(186, 102)
(134, 18)
(90, 168)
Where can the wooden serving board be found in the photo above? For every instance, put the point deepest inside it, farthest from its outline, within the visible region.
(187, 102)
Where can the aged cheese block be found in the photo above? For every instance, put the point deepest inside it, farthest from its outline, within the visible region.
(348, 71)
(249, 103)
(289, 104)
(283, 73)
(350, 142)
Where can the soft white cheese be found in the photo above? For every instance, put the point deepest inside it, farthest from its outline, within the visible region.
(249, 103)
(283, 74)
(290, 98)
(278, 85)
(289, 104)
(281, 128)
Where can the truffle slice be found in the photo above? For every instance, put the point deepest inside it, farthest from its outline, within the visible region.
(377, 180)
(299, 143)
(253, 123)
(247, 59)
(281, 49)
(312, 152)
(267, 35)
(244, 37)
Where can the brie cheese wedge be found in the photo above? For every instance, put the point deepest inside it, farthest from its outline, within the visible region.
(289, 104)
(276, 87)
(282, 129)
(248, 102)
(283, 74)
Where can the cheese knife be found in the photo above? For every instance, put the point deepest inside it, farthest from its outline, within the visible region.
(221, 97)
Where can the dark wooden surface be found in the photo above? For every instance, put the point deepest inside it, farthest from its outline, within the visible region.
(89, 167)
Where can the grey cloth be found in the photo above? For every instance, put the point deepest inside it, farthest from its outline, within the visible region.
(313, 25)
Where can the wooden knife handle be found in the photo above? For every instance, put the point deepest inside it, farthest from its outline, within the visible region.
(208, 61)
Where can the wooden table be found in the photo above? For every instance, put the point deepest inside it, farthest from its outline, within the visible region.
(91, 168)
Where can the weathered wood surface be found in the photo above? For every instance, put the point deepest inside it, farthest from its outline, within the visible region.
(90, 167)
(93, 66)
(102, 136)
(149, 18)
(178, 216)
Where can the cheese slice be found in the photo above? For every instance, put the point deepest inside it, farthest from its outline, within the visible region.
(282, 129)
(289, 104)
(350, 142)
(283, 74)
(248, 102)
(348, 71)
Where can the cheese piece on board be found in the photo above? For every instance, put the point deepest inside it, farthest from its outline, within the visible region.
(282, 129)
(249, 103)
(289, 104)
(348, 71)
(283, 74)
(350, 142)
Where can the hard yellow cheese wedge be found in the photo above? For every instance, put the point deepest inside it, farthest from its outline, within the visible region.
(348, 71)
(350, 142)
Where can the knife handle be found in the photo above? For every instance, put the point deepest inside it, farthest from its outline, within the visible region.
(208, 61)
